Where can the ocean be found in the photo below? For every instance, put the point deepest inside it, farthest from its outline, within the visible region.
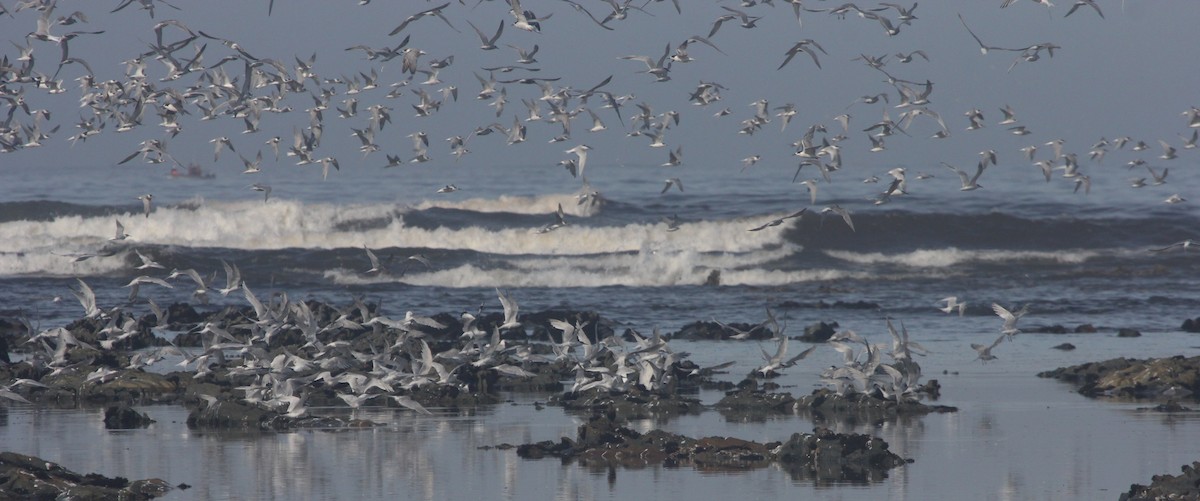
(646, 257)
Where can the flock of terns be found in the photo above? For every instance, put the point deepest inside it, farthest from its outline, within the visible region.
(186, 75)
(282, 380)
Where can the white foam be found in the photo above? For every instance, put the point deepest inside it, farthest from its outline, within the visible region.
(512, 204)
(952, 256)
(649, 267)
(280, 224)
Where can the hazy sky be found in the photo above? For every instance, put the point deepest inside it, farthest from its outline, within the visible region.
(1128, 74)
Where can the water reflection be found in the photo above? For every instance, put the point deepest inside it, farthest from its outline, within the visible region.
(1015, 437)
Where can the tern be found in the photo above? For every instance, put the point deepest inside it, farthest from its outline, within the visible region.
(510, 311)
(486, 42)
(120, 235)
(803, 46)
(777, 222)
(952, 303)
(837, 209)
(146, 203)
(580, 151)
(376, 267)
(968, 183)
(1010, 318)
(985, 352)
(1183, 245)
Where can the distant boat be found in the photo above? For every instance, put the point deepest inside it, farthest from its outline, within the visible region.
(193, 171)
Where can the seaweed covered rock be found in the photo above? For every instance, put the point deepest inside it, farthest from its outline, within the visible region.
(1186, 485)
(824, 455)
(827, 456)
(750, 403)
(857, 407)
(123, 417)
(28, 477)
(635, 403)
(819, 332)
(1172, 377)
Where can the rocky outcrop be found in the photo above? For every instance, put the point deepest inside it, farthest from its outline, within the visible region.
(823, 455)
(1174, 377)
(1186, 485)
(28, 477)
(123, 417)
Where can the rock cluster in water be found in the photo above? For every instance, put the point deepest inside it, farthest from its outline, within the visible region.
(1167, 378)
(28, 477)
(823, 456)
(1185, 485)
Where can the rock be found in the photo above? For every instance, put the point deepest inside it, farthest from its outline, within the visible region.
(826, 456)
(819, 332)
(123, 417)
(1191, 325)
(633, 404)
(714, 278)
(1128, 333)
(1065, 347)
(823, 455)
(1085, 329)
(4, 350)
(714, 331)
(28, 477)
(1131, 378)
(1186, 485)
(826, 405)
(750, 404)
(231, 414)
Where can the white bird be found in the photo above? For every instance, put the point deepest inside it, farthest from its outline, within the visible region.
(968, 183)
(408, 402)
(811, 184)
(837, 209)
(953, 303)
(120, 235)
(147, 262)
(87, 298)
(1184, 245)
(777, 222)
(580, 151)
(985, 352)
(1010, 318)
(672, 182)
(146, 203)
(376, 267)
(510, 311)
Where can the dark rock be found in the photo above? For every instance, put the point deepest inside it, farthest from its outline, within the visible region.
(714, 331)
(1085, 329)
(1065, 347)
(1186, 485)
(633, 404)
(1128, 333)
(819, 332)
(750, 404)
(824, 455)
(28, 477)
(1170, 406)
(714, 278)
(4, 350)
(826, 405)
(123, 417)
(1131, 378)
(1191, 325)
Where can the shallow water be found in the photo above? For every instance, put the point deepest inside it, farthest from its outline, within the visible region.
(1015, 436)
